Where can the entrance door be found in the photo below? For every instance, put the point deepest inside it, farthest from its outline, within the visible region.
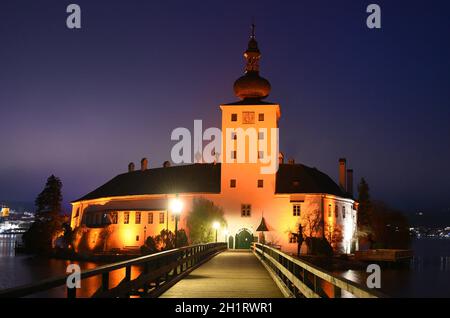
(244, 239)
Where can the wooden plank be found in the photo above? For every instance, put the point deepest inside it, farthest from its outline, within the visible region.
(230, 274)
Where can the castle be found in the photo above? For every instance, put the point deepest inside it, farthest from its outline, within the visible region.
(138, 204)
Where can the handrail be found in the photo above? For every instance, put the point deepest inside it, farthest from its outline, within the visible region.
(304, 279)
(159, 269)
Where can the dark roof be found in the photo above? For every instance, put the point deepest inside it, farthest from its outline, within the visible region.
(205, 178)
(250, 101)
(298, 178)
(196, 178)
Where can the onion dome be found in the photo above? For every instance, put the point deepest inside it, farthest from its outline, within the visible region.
(251, 85)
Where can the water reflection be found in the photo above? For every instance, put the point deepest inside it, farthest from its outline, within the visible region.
(427, 275)
(17, 270)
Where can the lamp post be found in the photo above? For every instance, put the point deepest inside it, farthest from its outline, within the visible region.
(145, 233)
(216, 226)
(176, 207)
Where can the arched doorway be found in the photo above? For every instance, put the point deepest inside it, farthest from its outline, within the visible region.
(244, 239)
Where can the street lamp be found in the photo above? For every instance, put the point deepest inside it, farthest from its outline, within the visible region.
(216, 226)
(176, 207)
(145, 233)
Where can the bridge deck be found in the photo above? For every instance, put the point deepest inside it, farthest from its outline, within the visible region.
(237, 274)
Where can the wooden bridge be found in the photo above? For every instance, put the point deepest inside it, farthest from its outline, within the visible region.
(204, 271)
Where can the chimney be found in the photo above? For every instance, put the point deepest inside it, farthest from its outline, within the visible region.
(291, 161)
(350, 181)
(144, 164)
(131, 167)
(280, 158)
(342, 176)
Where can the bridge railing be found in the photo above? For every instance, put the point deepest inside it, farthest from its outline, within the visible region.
(303, 279)
(157, 272)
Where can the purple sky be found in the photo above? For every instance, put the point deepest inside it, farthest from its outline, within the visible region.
(81, 104)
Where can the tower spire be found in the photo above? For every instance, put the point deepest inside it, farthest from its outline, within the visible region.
(251, 85)
(253, 29)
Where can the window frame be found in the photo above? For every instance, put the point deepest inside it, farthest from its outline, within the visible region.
(246, 210)
(150, 218)
(294, 210)
(137, 217)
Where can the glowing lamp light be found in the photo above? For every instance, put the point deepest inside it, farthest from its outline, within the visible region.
(216, 225)
(176, 206)
(226, 232)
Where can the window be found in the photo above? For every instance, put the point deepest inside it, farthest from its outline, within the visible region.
(137, 238)
(343, 212)
(336, 211)
(329, 210)
(150, 218)
(233, 117)
(260, 183)
(172, 217)
(77, 213)
(161, 218)
(233, 154)
(261, 135)
(261, 117)
(261, 154)
(248, 117)
(233, 135)
(292, 238)
(137, 218)
(296, 210)
(113, 217)
(246, 210)
(233, 183)
(126, 218)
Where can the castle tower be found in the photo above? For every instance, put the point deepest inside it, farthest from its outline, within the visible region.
(249, 142)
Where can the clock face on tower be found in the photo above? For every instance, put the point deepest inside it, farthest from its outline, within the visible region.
(248, 117)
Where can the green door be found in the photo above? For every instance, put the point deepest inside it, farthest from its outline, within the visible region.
(244, 240)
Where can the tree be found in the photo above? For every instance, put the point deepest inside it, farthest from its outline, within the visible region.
(165, 240)
(49, 200)
(199, 221)
(380, 226)
(49, 224)
(365, 206)
(150, 246)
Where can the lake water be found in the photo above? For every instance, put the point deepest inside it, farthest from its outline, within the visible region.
(427, 276)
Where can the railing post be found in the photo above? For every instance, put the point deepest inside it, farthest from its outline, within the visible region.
(315, 283)
(71, 292)
(128, 273)
(337, 292)
(127, 277)
(105, 281)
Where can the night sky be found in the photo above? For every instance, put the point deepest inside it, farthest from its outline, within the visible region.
(82, 104)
